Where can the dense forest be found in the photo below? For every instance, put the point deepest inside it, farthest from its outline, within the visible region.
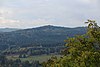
(46, 36)
(36, 41)
(80, 50)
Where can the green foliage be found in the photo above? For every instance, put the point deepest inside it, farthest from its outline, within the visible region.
(82, 51)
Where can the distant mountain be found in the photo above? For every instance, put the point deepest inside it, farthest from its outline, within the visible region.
(8, 29)
(47, 36)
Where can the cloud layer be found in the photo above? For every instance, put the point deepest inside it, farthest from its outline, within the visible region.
(32, 13)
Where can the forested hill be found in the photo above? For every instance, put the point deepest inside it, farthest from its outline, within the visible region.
(8, 29)
(46, 36)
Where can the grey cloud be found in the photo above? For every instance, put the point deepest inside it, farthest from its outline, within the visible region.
(57, 12)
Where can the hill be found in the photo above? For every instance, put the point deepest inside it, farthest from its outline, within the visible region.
(8, 29)
(46, 36)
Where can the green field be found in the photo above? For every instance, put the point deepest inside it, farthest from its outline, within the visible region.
(40, 58)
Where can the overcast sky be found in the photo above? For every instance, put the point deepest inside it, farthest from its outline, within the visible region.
(34, 13)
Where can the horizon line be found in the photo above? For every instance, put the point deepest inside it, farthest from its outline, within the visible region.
(41, 26)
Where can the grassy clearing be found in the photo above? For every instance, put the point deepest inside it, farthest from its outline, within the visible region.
(40, 58)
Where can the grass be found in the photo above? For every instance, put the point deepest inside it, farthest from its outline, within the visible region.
(40, 58)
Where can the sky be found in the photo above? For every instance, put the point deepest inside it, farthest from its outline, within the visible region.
(34, 13)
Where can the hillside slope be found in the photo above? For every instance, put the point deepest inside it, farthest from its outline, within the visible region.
(47, 36)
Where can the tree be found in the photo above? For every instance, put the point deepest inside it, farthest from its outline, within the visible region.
(20, 56)
(82, 50)
(24, 56)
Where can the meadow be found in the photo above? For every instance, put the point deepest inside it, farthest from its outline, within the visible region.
(40, 58)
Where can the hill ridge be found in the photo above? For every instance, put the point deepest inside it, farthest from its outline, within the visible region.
(47, 36)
